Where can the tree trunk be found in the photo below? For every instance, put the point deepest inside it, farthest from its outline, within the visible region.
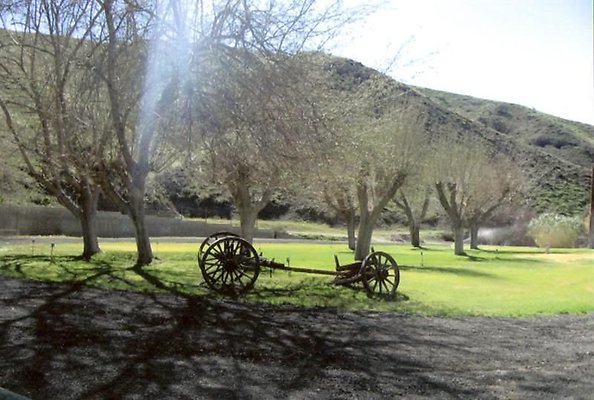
(247, 207)
(143, 242)
(459, 240)
(247, 219)
(415, 235)
(474, 228)
(88, 221)
(413, 223)
(366, 225)
(368, 217)
(351, 224)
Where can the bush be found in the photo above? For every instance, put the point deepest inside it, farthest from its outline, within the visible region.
(554, 230)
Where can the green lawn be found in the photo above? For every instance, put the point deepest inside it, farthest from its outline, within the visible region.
(510, 281)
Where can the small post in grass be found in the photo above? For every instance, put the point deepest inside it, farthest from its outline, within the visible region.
(422, 260)
(52, 245)
(32, 247)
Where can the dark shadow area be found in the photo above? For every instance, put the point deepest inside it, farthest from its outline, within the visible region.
(70, 341)
(471, 257)
(423, 248)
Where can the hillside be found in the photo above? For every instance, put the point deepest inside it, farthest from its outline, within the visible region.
(569, 140)
(555, 154)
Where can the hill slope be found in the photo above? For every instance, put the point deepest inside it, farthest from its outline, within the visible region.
(569, 140)
(555, 154)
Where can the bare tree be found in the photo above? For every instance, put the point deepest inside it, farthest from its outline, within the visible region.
(138, 56)
(45, 99)
(331, 183)
(414, 200)
(471, 185)
(497, 183)
(375, 134)
(453, 167)
(255, 129)
(98, 121)
(386, 158)
(252, 100)
(342, 201)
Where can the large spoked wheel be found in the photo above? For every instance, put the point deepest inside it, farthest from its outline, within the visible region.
(230, 265)
(380, 275)
(210, 240)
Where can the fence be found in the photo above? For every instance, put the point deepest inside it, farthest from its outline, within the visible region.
(37, 220)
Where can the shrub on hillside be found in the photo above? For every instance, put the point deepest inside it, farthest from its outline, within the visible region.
(554, 230)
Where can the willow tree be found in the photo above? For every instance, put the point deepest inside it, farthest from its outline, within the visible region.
(47, 102)
(251, 101)
(453, 172)
(497, 182)
(256, 127)
(377, 130)
(387, 156)
(414, 200)
(471, 184)
(96, 77)
(339, 196)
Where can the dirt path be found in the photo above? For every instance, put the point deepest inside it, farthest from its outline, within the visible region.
(61, 341)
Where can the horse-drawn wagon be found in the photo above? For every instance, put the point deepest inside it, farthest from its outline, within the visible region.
(231, 265)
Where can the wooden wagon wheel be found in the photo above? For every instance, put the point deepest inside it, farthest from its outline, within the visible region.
(230, 265)
(380, 274)
(210, 239)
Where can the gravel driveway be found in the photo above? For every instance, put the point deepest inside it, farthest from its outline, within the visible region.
(60, 341)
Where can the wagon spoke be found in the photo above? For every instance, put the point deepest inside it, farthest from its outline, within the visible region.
(233, 247)
(214, 275)
(240, 275)
(211, 269)
(236, 277)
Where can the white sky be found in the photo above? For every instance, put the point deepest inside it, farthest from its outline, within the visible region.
(537, 53)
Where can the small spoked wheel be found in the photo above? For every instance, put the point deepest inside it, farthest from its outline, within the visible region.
(210, 239)
(380, 275)
(230, 265)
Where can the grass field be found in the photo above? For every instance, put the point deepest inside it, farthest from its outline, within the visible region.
(496, 281)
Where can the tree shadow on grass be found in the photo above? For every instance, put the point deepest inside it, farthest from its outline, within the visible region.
(450, 270)
(478, 258)
(35, 267)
